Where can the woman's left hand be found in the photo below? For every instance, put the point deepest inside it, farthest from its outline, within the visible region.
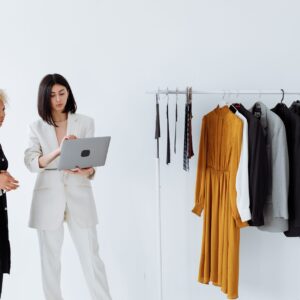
(85, 172)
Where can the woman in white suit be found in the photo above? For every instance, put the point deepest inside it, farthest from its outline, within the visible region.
(60, 196)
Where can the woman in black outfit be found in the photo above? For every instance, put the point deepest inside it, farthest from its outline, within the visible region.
(7, 183)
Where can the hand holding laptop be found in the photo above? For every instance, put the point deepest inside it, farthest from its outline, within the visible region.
(67, 137)
(86, 172)
(80, 155)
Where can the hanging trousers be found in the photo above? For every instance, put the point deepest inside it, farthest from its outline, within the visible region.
(86, 243)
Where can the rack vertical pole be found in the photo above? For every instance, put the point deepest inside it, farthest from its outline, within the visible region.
(159, 234)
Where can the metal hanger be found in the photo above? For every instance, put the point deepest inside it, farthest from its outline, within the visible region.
(223, 102)
(282, 90)
(259, 95)
(224, 94)
(232, 106)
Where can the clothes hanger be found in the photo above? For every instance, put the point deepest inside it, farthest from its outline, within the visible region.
(257, 102)
(259, 95)
(259, 98)
(233, 107)
(223, 103)
(282, 98)
(281, 103)
(238, 103)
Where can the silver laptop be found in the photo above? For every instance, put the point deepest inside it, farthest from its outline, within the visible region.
(83, 153)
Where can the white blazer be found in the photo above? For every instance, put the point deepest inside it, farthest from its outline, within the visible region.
(54, 190)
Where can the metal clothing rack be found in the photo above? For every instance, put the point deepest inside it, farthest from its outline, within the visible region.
(195, 92)
(225, 92)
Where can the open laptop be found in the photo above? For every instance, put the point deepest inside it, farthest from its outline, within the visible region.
(83, 153)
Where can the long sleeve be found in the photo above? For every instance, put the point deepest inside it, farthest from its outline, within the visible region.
(280, 164)
(90, 132)
(201, 170)
(242, 177)
(237, 135)
(257, 174)
(33, 152)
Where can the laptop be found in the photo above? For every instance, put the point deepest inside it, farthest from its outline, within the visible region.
(83, 153)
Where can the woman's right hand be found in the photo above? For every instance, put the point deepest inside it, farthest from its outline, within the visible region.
(67, 137)
(7, 182)
(46, 159)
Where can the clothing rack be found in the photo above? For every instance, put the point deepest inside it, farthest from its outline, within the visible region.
(158, 186)
(226, 92)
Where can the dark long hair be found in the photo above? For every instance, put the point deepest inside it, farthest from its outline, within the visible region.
(44, 97)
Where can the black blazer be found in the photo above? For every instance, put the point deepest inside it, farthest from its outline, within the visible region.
(291, 120)
(4, 239)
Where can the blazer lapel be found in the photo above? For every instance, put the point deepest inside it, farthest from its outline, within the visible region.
(51, 139)
(71, 124)
(71, 129)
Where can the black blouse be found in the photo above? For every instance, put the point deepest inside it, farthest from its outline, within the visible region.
(292, 125)
(4, 239)
(257, 165)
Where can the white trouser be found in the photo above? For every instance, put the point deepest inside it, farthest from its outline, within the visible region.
(86, 243)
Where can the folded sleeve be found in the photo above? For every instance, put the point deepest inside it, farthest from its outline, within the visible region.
(33, 152)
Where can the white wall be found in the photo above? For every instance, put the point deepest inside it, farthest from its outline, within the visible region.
(112, 52)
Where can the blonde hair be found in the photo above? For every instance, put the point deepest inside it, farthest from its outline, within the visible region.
(3, 97)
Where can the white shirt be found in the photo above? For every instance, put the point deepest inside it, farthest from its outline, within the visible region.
(242, 177)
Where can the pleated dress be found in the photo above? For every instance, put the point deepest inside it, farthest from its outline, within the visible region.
(215, 195)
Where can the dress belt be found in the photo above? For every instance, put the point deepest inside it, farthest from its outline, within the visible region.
(218, 170)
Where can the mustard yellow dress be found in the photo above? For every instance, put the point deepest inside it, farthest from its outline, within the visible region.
(219, 154)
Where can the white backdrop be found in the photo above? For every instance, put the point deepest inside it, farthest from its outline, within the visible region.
(112, 52)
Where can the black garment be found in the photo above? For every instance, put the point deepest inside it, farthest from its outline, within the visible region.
(185, 140)
(292, 126)
(190, 134)
(4, 240)
(168, 160)
(188, 138)
(257, 166)
(157, 127)
(176, 120)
